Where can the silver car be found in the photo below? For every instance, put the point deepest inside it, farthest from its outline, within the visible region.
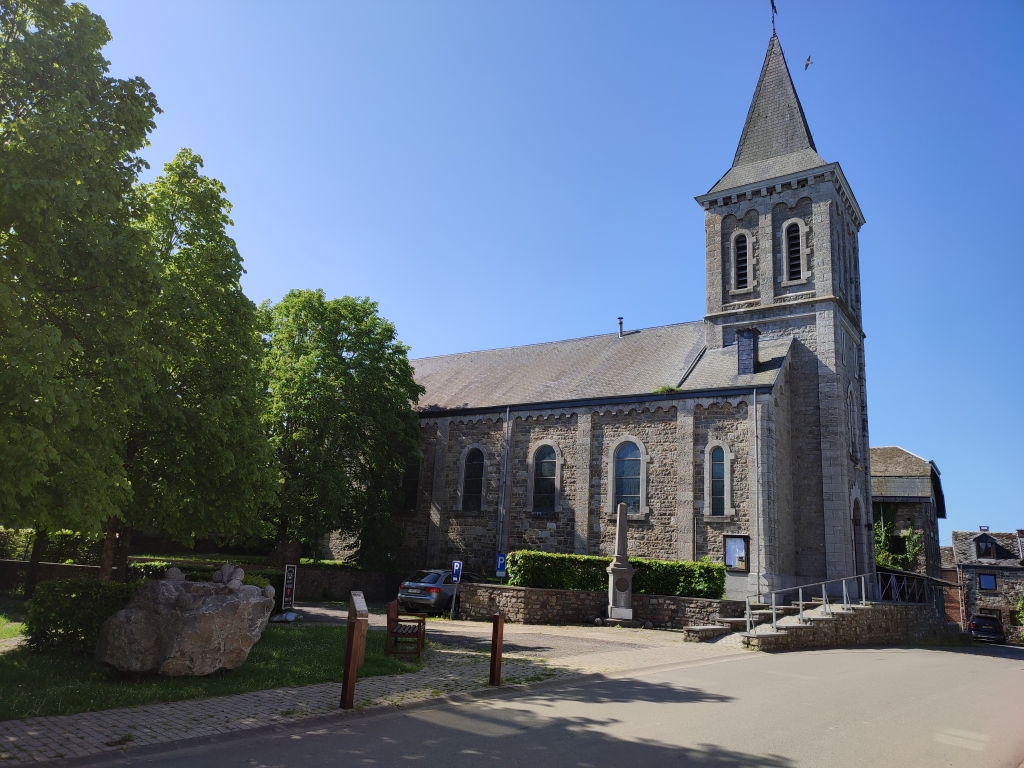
(430, 591)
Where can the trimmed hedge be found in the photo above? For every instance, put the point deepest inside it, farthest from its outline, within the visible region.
(546, 570)
(66, 614)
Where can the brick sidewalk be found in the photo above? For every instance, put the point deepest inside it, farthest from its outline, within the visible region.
(459, 666)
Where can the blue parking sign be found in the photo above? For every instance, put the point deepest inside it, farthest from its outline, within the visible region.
(456, 571)
(501, 566)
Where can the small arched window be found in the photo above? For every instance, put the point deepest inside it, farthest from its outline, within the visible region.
(473, 481)
(544, 467)
(851, 415)
(627, 477)
(794, 269)
(717, 481)
(741, 262)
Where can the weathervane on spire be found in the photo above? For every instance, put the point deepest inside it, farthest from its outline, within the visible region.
(774, 11)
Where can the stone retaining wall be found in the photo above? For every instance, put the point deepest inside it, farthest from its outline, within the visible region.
(876, 624)
(523, 605)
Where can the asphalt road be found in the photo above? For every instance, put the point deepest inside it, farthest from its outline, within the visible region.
(870, 707)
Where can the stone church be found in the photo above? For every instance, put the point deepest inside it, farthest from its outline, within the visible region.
(741, 437)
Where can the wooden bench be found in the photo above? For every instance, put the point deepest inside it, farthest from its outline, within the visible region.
(406, 633)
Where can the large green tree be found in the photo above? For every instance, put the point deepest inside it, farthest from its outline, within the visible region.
(75, 276)
(197, 453)
(341, 420)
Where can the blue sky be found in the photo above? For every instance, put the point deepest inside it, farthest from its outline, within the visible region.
(500, 173)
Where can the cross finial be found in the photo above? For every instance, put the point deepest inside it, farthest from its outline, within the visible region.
(774, 11)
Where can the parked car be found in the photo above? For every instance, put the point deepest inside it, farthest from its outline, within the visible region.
(985, 627)
(430, 591)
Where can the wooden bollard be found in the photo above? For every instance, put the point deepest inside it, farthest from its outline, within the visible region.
(355, 647)
(497, 637)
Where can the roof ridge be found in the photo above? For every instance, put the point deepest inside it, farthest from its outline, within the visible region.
(559, 341)
(922, 458)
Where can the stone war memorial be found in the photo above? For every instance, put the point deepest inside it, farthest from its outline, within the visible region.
(177, 628)
(741, 437)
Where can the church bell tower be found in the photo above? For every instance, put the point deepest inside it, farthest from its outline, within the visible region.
(783, 257)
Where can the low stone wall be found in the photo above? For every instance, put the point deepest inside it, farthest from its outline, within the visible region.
(12, 572)
(523, 605)
(876, 624)
(336, 583)
(313, 583)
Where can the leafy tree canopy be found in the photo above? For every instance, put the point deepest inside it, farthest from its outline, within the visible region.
(197, 452)
(341, 420)
(75, 280)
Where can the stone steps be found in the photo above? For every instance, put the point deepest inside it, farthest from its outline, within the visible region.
(698, 634)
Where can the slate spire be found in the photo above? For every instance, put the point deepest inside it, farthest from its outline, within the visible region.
(776, 140)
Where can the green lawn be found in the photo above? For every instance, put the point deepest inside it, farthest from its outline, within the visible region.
(9, 628)
(43, 684)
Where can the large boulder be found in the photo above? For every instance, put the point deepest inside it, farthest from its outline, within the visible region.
(176, 627)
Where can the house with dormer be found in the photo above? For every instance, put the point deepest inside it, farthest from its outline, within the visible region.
(990, 570)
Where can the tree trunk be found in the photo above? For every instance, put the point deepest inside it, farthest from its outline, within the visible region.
(38, 548)
(122, 553)
(109, 548)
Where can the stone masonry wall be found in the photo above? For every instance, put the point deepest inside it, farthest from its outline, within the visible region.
(552, 531)
(730, 425)
(1003, 600)
(655, 535)
(877, 624)
(522, 605)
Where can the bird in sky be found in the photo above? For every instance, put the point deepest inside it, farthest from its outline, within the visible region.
(807, 63)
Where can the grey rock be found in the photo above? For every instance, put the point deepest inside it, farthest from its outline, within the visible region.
(238, 574)
(234, 585)
(269, 591)
(180, 628)
(174, 574)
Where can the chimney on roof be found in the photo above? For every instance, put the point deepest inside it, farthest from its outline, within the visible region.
(983, 528)
(746, 350)
(620, 327)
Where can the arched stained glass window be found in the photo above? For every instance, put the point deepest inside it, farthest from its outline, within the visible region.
(717, 481)
(473, 481)
(544, 467)
(794, 269)
(627, 477)
(741, 262)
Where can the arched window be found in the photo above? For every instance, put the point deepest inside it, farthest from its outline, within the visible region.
(473, 481)
(794, 270)
(544, 467)
(718, 461)
(411, 486)
(851, 415)
(627, 477)
(741, 262)
(717, 482)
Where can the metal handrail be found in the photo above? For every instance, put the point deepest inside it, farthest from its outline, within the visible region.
(897, 587)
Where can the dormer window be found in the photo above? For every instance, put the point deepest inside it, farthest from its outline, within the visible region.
(794, 266)
(741, 262)
(986, 550)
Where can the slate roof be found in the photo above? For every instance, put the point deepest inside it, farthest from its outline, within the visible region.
(590, 368)
(776, 140)
(1007, 548)
(896, 473)
(893, 461)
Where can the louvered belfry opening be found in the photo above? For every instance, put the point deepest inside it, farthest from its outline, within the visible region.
(794, 272)
(741, 262)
